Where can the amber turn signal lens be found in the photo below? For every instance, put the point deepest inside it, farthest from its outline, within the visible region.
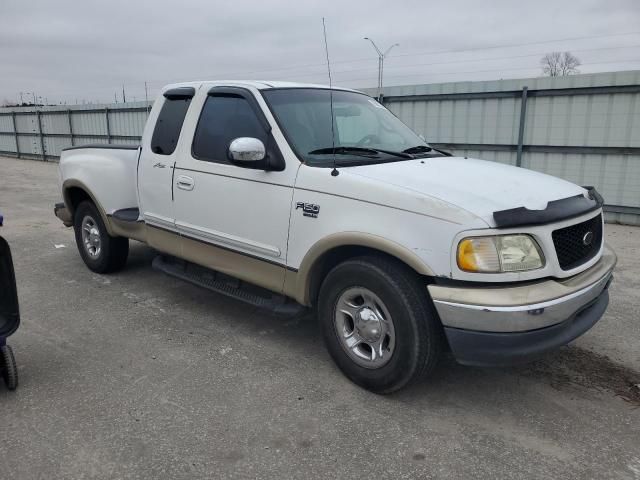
(500, 253)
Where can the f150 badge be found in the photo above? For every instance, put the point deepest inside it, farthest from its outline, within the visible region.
(309, 209)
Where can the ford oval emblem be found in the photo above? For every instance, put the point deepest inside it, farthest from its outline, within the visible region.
(587, 239)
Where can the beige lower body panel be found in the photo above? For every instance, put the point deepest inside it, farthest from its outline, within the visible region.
(238, 265)
(249, 269)
(295, 287)
(133, 230)
(163, 240)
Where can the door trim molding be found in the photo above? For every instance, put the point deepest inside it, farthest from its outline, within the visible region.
(216, 238)
(154, 220)
(222, 247)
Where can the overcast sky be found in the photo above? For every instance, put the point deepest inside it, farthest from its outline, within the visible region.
(68, 50)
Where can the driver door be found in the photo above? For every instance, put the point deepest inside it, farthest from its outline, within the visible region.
(233, 218)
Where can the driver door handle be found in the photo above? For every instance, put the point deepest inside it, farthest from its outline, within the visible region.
(185, 183)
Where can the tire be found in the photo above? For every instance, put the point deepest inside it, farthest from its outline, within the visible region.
(407, 347)
(8, 367)
(102, 253)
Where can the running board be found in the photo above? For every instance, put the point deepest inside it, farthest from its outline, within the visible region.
(227, 285)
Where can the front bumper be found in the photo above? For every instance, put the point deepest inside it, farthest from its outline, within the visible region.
(505, 325)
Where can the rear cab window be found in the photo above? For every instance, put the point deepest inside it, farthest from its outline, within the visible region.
(169, 123)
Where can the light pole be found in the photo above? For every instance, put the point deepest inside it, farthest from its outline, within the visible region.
(381, 57)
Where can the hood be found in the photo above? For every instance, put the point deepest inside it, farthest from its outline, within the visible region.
(478, 186)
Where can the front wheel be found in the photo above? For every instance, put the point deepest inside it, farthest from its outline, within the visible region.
(101, 252)
(378, 323)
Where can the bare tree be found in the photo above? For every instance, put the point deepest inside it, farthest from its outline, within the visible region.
(560, 64)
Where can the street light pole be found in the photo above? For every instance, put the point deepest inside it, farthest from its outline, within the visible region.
(381, 57)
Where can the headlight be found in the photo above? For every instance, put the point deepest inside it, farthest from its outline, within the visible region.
(501, 253)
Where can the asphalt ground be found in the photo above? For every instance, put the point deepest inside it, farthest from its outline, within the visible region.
(138, 375)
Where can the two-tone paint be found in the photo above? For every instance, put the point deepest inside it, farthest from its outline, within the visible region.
(277, 228)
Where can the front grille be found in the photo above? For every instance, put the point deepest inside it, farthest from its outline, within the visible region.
(573, 247)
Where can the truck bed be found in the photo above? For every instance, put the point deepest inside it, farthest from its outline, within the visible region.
(109, 172)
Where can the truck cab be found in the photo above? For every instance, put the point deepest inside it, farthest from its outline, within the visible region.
(291, 195)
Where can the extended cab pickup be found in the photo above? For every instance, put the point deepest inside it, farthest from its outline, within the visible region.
(287, 195)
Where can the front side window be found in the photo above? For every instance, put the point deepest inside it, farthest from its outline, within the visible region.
(168, 125)
(364, 131)
(224, 118)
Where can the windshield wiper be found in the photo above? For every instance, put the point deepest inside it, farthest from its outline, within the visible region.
(425, 149)
(361, 151)
(418, 149)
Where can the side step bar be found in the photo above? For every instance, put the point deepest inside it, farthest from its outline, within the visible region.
(227, 285)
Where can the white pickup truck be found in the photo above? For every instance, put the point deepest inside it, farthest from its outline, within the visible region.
(289, 196)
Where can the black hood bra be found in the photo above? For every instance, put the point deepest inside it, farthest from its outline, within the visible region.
(555, 211)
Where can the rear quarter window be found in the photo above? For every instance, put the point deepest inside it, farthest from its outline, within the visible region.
(168, 125)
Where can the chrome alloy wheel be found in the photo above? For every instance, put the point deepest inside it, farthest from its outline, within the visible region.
(364, 327)
(91, 237)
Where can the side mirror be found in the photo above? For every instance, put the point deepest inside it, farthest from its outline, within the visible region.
(9, 313)
(247, 149)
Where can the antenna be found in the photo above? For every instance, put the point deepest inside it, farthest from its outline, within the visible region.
(334, 172)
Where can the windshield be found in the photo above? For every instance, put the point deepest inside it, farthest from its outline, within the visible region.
(365, 131)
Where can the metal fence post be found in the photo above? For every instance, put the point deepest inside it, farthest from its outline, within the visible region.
(15, 133)
(523, 114)
(41, 135)
(70, 126)
(106, 116)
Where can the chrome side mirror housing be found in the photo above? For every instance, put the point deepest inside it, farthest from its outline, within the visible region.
(247, 149)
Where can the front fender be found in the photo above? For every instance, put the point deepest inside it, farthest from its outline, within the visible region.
(298, 284)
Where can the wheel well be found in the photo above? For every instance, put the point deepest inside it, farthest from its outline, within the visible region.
(335, 256)
(75, 195)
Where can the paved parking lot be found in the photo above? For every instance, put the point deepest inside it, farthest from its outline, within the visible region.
(138, 375)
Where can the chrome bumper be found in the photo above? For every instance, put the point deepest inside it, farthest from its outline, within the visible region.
(501, 326)
(522, 308)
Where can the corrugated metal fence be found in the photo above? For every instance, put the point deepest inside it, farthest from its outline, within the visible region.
(585, 128)
(43, 132)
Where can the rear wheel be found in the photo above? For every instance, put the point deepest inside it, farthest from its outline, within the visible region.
(101, 252)
(378, 323)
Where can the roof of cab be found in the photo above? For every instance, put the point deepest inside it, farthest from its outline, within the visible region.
(257, 84)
